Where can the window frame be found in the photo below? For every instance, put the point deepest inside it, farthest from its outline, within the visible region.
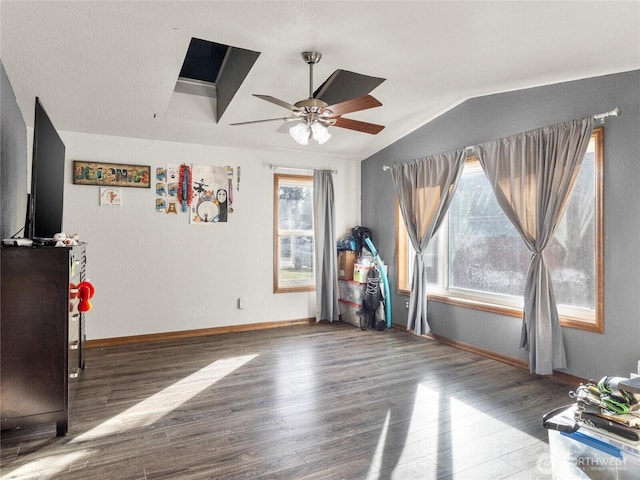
(303, 180)
(570, 316)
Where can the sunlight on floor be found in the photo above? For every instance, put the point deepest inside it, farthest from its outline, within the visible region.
(47, 467)
(376, 463)
(493, 438)
(413, 435)
(141, 414)
(444, 435)
(155, 407)
(297, 380)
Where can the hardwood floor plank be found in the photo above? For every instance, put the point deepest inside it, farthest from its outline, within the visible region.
(304, 402)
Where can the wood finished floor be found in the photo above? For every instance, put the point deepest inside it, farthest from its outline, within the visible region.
(304, 402)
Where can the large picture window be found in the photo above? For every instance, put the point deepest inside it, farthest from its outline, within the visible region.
(477, 259)
(293, 255)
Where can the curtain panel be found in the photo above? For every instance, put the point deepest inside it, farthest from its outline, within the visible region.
(326, 269)
(532, 175)
(424, 189)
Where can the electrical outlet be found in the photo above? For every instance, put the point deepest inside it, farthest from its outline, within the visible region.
(242, 303)
(406, 304)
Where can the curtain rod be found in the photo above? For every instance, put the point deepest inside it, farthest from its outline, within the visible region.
(281, 167)
(600, 116)
(611, 113)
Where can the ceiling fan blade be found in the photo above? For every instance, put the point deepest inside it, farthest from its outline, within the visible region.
(354, 105)
(343, 85)
(364, 127)
(285, 119)
(277, 101)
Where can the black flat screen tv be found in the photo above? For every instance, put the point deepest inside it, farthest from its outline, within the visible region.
(44, 214)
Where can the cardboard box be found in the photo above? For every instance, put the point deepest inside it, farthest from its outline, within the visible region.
(346, 261)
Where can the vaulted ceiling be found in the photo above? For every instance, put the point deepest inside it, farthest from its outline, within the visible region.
(111, 67)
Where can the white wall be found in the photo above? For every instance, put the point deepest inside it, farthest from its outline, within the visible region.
(156, 273)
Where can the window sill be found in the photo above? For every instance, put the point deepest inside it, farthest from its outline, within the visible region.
(565, 321)
(293, 289)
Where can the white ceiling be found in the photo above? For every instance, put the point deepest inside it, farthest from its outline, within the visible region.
(111, 67)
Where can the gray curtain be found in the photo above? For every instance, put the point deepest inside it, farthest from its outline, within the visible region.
(325, 247)
(532, 175)
(424, 188)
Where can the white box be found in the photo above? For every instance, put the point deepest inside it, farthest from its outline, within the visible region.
(590, 453)
(360, 273)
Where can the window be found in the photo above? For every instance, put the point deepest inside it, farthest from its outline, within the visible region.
(293, 249)
(477, 258)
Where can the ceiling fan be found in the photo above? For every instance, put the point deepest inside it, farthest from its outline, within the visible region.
(313, 115)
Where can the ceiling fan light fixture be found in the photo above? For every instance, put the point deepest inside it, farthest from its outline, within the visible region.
(300, 133)
(320, 133)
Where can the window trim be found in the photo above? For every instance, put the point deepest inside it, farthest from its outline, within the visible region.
(277, 288)
(484, 302)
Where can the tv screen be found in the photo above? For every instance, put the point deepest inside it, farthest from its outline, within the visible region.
(47, 177)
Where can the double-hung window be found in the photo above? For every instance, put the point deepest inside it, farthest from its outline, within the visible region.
(293, 255)
(477, 258)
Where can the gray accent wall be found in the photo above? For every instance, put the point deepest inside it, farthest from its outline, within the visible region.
(13, 161)
(589, 355)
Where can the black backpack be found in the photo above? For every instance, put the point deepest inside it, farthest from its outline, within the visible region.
(359, 234)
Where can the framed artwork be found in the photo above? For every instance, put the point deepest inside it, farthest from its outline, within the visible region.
(111, 174)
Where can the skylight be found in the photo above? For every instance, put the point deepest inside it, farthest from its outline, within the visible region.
(214, 72)
(203, 60)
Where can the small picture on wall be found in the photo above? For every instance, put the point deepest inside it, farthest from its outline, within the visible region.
(110, 197)
(111, 174)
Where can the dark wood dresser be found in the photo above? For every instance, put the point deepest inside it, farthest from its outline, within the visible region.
(42, 334)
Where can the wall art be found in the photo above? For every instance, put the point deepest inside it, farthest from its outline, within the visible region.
(210, 201)
(111, 174)
(110, 197)
(167, 188)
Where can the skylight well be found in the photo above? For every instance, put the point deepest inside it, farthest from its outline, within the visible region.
(213, 72)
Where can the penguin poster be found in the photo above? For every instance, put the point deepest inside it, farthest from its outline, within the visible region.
(210, 203)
